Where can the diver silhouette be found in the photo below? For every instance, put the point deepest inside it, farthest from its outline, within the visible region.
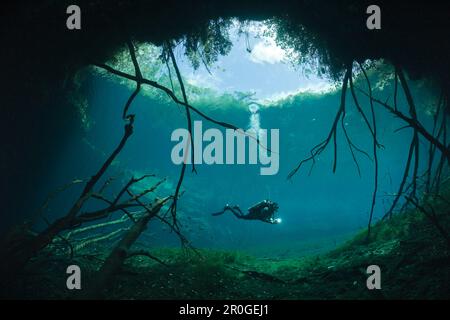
(263, 211)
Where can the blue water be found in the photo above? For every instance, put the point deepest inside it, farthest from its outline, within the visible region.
(318, 210)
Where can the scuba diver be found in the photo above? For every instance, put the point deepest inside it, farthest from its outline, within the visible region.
(264, 211)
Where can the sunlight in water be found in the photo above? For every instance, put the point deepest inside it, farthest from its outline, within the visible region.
(254, 119)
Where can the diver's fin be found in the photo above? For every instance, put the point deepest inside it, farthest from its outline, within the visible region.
(227, 207)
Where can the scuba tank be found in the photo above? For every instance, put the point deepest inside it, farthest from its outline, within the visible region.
(256, 207)
(272, 206)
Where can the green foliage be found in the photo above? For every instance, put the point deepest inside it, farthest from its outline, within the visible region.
(208, 42)
(407, 247)
(306, 48)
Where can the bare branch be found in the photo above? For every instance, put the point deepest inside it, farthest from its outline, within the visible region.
(106, 184)
(420, 129)
(432, 148)
(121, 220)
(129, 184)
(360, 110)
(138, 74)
(28, 249)
(53, 195)
(402, 183)
(100, 214)
(166, 90)
(375, 146)
(172, 95)
(126, 212)
(115, 260)
(188, 112)
(319, 148)
(146, 254)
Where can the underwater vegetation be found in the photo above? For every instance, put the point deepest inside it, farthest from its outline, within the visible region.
(408, 247)
(136, 156)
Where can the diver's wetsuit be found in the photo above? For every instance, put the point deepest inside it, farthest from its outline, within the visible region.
(263, 211)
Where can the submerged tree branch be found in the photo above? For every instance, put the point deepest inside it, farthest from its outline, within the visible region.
(172, 95)
(413, 114)
(319, 148)
(375, 156)
(420, 129)
(190, 142)
(432, 147)
(437, 180)
(53, 195)
(146, 254)
(403, 182)
(138, 74)
(185, 99)
(20, 256)
(360, 110)
(116, 258)
(166, 90)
